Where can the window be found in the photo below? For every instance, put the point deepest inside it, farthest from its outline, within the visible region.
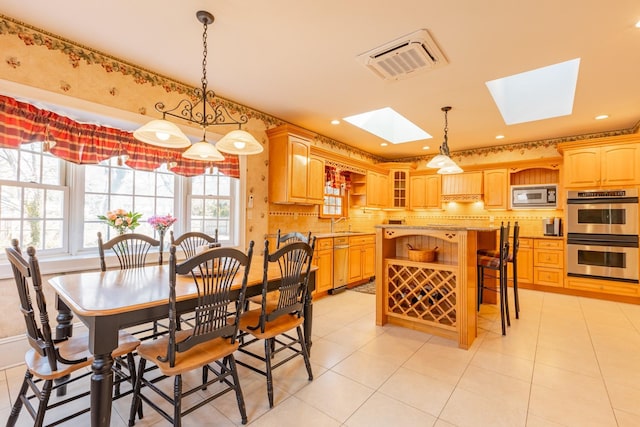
(213, 204)
(111, 185)
(333, 204)
(33, 198)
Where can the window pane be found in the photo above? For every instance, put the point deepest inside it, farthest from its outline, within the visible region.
(33, 234)
(10, 202)
(165, 185)
(55, 204)
(10, 230)
(33, 203)
(53, 234)
(96, 179)
(29, 167)
(145, 183)
(121, 181)
(9, 164)
(51, 173)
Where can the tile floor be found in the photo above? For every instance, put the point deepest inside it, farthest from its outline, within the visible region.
(568, 361)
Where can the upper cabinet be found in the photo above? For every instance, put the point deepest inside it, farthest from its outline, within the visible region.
(377, 189)
(294, 175)
(496, 189)
(425, 191)
(601, 164)
(399, 189)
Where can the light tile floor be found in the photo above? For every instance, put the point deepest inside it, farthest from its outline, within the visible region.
(568, 361)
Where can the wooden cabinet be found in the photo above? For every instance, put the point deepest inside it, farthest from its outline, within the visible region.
(425, 191)
(323, 259)
(548, 262)
(294, 176)
(399, 189)
(462, 187)
(362, 250)
(602, 166)
(496, 189)
(602, 286)
(315, 188)
(377, 189)
(525, 261)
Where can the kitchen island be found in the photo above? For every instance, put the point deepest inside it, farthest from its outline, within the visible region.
(437, 296)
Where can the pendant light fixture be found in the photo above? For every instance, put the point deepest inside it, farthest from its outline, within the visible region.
(443, 161)
(163, 133)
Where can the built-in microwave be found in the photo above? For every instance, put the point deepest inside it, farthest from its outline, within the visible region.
(534, 196)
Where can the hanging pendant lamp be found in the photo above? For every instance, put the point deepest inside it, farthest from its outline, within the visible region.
(443, 161)
(163, 133)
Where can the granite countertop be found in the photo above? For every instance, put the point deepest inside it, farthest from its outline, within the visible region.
(450, 227)
(341, 234)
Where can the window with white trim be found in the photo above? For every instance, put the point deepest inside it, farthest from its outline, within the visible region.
(33, 198)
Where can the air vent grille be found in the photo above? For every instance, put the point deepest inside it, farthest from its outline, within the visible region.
(404, 57)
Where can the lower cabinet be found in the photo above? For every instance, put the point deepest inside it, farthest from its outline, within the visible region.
(548, 262)
(323, 259)
(362, 258)
(540, 262)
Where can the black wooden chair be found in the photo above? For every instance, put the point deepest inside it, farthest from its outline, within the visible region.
(513, 259)
(294, 236)
(496, 260)
(209, 345)
(131, 250)
(191, 241)
(273, 321)
(54, 364)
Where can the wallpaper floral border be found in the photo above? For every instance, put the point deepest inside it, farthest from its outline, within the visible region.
(32, 36)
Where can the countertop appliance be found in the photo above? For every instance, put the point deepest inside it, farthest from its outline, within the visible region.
(534, 196)
(552, 226)
(602, 234)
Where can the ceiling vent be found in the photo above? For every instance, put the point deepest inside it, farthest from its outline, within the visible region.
(404, 57)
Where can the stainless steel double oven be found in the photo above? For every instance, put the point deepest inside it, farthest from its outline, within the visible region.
(602, 238)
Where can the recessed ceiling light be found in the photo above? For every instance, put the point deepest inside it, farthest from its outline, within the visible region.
(335, 122)
(426, 147)
(388, 125)
(499, 136)
(384, 144)
(602, 117)
(538, 94)
(638, 24)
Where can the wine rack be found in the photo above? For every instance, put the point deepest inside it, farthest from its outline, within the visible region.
(422, 291)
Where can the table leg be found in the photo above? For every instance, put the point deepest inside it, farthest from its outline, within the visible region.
(64, 330)
(101, 385)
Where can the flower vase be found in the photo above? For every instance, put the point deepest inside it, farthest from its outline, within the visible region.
(161, 238)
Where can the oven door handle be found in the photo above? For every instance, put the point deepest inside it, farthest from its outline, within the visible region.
(605, 243)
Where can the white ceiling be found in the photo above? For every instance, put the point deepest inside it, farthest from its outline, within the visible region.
(296, 59)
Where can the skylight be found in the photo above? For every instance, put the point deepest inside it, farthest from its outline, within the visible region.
(538, 94)
(388, 125)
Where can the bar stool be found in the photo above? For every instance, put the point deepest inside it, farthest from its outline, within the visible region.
(496, 260)
(513, 259)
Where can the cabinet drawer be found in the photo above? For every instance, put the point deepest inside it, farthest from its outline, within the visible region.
(362, 240)
(322, 244)
(548, 258)
(603, 286)
(547, 276)
(549, 244)
(525, 242)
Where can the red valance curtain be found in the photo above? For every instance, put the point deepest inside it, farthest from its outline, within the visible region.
(80, 143)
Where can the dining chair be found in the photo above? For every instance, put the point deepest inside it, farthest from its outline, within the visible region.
(54, 364)
(274, 320)
(191, 241)
(496, 260)
(131, 250)
(209, 345)
(294, 236)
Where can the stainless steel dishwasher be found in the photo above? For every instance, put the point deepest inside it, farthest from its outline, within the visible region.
(340, 264)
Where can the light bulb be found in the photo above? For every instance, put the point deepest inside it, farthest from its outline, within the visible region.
(162, 136)
(239, 144)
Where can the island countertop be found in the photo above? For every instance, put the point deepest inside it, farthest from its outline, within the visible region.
(445, 227)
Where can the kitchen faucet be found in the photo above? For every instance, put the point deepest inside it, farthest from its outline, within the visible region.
(335, 221)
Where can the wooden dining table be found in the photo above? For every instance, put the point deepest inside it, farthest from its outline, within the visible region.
(107, 301)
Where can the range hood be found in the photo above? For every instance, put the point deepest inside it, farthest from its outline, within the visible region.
(462, 187)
